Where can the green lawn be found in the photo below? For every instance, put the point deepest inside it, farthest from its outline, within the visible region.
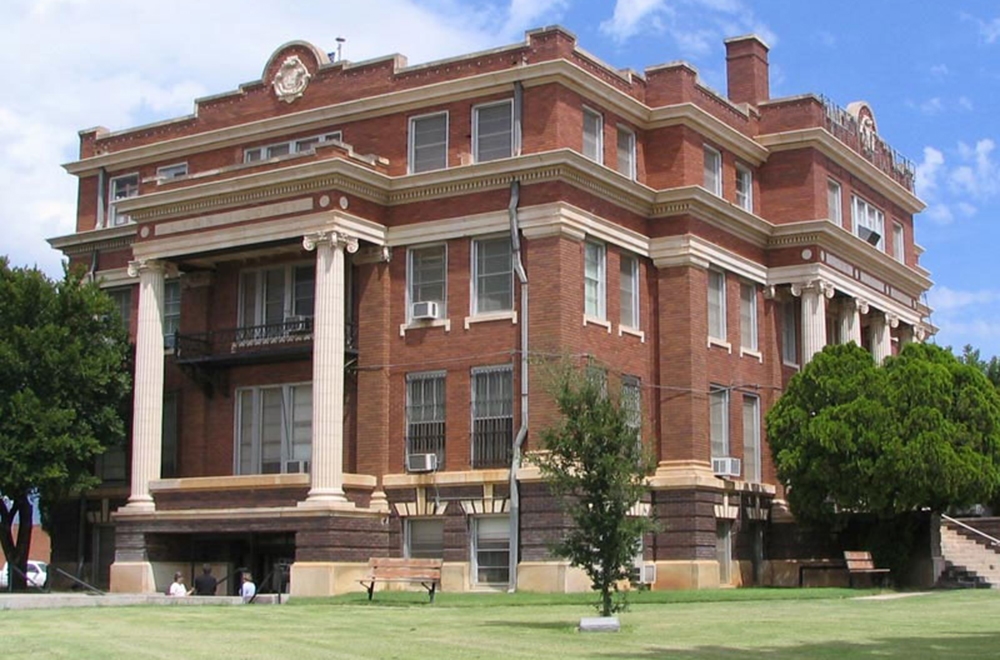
(744, 623)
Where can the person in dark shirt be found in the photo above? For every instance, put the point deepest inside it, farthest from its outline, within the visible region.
(204, 584)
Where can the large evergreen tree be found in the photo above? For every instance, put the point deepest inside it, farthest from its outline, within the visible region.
(63, 382)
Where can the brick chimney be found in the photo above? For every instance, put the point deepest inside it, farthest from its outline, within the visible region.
(746, 70)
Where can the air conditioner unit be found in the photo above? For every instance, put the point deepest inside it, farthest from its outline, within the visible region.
(427, 309)
(421, 462)
(870, 236)
(726, 466)
(296, 467)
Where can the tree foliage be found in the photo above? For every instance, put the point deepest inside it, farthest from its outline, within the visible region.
(991, 367)
(922, 431)
(596, 464)
(64, 382)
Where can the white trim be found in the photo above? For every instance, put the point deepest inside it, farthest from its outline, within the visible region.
(832, 183)
(720, 343)
(601, 277)
(710, 151)
(622, 330)
(446, 229)
(492, 316)
(747, 204)
(416, 325)
(111, 211)
(592, 320)
(411, 143)
(633, 173)
(475, 128)
(598, 156)
(163, 177)
(211, 220)
(292, 144)
(540, 221)
(410, 322)
(754, 354)
(474, 274)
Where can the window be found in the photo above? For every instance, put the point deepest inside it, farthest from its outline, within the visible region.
(492, 132)
(123, 302)
(713, 171)
(428, 142)
(751, 438)
(427, 277)
(593, 135)
(492, 416)
(629, 285)
(898, 246)
(122, 187)
(626, 152)
(168, 440)
(748, 316)
(491, 549)
(594, 281)
(493, 276)
(255, 154)
(425, 408)
(834, 203)
(168, 172)
(717, 304)
(719, 421)
(171, 311)
(631, 404)
(789, 337)
(276, 301)
(744, 188)
(274, 429)
(424, 538)
(869, 223)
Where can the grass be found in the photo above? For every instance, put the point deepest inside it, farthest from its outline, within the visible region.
(744, 623)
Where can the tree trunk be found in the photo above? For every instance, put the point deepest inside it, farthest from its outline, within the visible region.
(17, 550)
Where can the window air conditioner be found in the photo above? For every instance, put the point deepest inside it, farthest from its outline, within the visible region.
(726, 466)
(421, 462)
(427, 309)
(870, 236)
(296, 467)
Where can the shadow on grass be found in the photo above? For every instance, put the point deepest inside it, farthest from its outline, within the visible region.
(968, 645)
(530, 625)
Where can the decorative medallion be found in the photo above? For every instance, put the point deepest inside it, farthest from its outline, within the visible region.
(291, 79)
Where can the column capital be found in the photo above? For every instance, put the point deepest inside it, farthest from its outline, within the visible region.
(920, 332)
(332, 237)
(891, 320)
(859, 304)
(771, 292)
(137, 266)
(374, 254)
(822, 287)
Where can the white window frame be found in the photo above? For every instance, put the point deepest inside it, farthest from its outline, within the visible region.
(412, 254)
(751, 439)
(115, 218)
(835, 202)
(288, 299)
(412, 142)
(718, 403)
(898, 242)
(748, 317)
(123, 301)
(627, 164)
(171, 311)
(595, 120)
(629, 290)
(789, 334)
(262, 152)
(598, 280)
(287, 426)
(867, 215)
(167, 172)
(474, 540)
(478, 275)
(713, 170)
(744, 187)
(428, 412)
(476, 109)
(408, 524)
(494, 412)
(719, 331)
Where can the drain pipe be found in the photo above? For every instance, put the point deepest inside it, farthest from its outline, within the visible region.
(522, 432)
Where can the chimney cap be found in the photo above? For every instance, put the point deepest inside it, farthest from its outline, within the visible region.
(747, 37)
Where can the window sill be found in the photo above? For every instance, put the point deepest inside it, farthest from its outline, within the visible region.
(492, 316)
(751, 353)
(593, 320)
(417, 325)
(721, 343)
(791, 365)
(625, 330)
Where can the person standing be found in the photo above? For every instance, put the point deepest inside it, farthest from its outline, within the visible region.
(205, 584)
(248, 590)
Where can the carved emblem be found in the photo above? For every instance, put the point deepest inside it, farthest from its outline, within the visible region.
(291, 79)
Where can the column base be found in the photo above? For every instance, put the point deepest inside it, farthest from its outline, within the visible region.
(328, 501)
(132, 577)
(138, 506)
(379, 502)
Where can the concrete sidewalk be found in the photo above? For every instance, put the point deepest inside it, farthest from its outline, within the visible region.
(37, 601)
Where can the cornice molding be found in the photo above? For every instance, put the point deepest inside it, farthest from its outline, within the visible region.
(95, 239)
(699, 203)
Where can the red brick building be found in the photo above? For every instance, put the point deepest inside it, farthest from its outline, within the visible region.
(335, 277)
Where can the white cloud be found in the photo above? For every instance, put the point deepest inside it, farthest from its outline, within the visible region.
(945, 299)
(990, 30)
(939, 70)
(632, 15)
(932, 106)
(965, 103)
(927, 172)
(979, 175)
(940, 214)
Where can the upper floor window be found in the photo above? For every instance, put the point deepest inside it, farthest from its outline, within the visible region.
(869, 223)
(631, 404)
(719, 421)
(428, 142)
(751, 438)
(789, 336)
(425, 414)
(713, 171)
(492, 131)
(629, 289)
(593, 135)
(717, 304)
(171, 171)
(426, 275)
(744, 188)
(277, 300)
(493, 276)
(254, 154)
(122, 187)
(123, 302)
(898, 245)
(492, 416)
(834, 203)
(594, 280)
(171, 311)
(274, 429)
(626, 152)
(748, 316)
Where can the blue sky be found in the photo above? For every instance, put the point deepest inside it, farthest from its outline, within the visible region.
(929, 70)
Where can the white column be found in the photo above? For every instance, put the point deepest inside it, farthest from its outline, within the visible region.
(814, 295)
(328, 368)
(851, 310)
(147, 415)
(881, 337)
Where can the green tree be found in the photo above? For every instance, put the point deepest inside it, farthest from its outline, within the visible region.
(64, 382)
(922, 431)
(596, 464)
(991, 367)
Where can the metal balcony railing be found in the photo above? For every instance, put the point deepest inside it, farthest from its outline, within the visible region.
(294, 335)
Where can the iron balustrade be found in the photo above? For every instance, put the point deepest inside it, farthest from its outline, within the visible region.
(292, 334)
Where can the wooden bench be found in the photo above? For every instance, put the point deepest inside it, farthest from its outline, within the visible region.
(859, 562)
(425, 572)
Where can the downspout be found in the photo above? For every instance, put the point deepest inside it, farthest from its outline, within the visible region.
(522, 276)
(102, 194)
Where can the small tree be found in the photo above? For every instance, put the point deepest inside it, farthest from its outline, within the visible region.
(596, 464)
(63, 383)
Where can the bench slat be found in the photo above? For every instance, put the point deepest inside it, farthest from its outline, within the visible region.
(426, 572)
